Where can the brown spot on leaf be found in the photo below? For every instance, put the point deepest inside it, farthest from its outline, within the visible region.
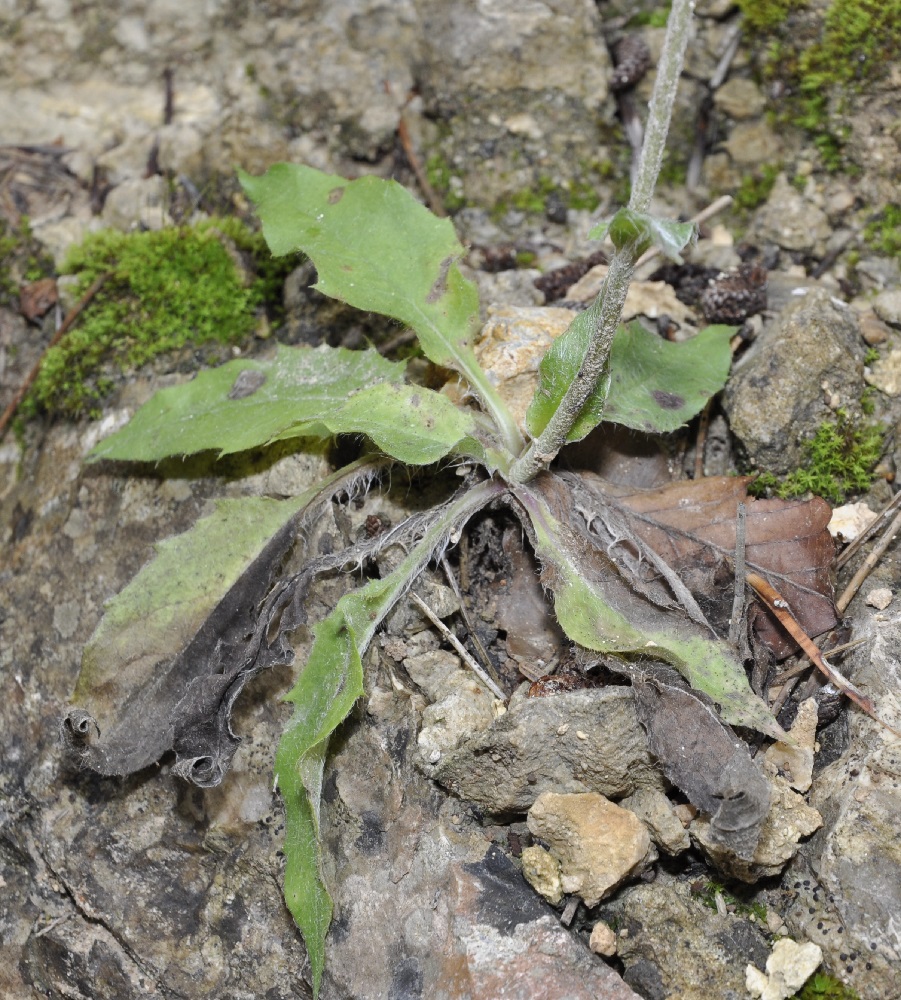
(335, 195)
(247, 383)
(414, 400)
(667, 400)
(440, 285)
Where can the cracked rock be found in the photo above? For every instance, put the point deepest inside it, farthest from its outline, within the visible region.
(596, 843)
(577, 741)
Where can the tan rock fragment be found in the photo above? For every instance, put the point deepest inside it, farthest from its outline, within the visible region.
(603, 939)
(542, 872)
(850, 521)
(885, 374)
(644, 298)
(796, 762)
(597, 843)
(880, 598)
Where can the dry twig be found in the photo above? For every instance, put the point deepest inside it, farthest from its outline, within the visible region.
(780, 608)
(64, 327)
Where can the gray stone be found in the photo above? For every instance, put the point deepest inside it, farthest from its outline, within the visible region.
(138, 202)
(752, 143)
(656, 811)
(788, 821)
(578, 741)
(789, 220)
(739, 98)
(672, 945)
(846, 883)
(888, 306)
(775, 398)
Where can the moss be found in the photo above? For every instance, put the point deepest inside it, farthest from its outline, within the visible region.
(839, 462)
(767, 15)
(652, 18)
(884, 232)
(870, 358)
(21, 260)
(853, 43)
(439, 174)
(708, 892)
(755, 187)
(822, 986)
(165, 290)
(582, 195)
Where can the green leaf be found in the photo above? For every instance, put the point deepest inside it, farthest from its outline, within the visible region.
(325, 692)
(301, 393)
(161, 610)
(376, 248)
(637, 232)
(605, 615)
(654, 384)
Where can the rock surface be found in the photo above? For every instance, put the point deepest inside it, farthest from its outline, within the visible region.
(778, 386)
(673, 946)
(788, 821)
(596, 843)
(846, 881)
(578, 741)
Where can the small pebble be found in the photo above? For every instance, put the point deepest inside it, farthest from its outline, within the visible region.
(880, 598)
(603, 939)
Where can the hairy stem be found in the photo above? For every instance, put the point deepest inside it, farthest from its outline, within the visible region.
(606, 309)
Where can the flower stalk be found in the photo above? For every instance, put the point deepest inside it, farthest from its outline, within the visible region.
(607, 308)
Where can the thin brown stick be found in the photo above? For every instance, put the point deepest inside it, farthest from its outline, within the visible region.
(780, 608)
(465, 655)
(804, 663)
(738, 598)
(869, 564)
(64, 327)
(701, 439)
(477, 643)
(784, 691)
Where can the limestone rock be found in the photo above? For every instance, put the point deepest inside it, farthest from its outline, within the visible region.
(542, 871)
(796, 762)
(656, 811)
(880, 598)
(788, 219)
(672, 945)
(885, 374)
(597, 844)
(753, 142)
(466, 708)
(739, 98)
(887, 305)
(603, 939)
(577, 741)
(789, 819)
(846, 882)
(774, 398)
(850, 521)
(787, 969)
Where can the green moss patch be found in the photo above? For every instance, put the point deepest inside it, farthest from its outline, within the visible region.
(822, 986)
(855, 41)
(21, 260)
(840, 461)
(165, 290)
